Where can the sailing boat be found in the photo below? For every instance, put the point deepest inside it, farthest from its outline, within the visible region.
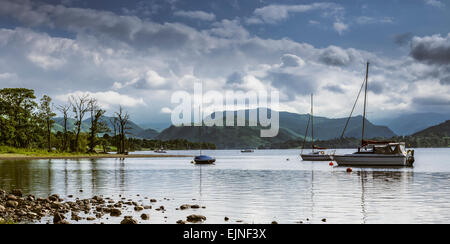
(376, 153)
(203, 159)
(320, 154)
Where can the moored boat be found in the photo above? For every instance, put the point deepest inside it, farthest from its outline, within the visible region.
(203, 159)
(322, 154)
(247, 151)
(375, 153)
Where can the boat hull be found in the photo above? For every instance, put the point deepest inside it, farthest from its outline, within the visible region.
(205, 161)
(371, 160)
(317, 157)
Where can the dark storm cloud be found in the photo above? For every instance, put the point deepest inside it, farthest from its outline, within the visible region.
(335, 56)
(235, 78)
(431, 49)
(335, 89)
(292, 85)
(431, 101)
(403, 39)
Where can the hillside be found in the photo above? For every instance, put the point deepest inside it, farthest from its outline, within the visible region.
(441, 130)
(408, 124)
(292, 127)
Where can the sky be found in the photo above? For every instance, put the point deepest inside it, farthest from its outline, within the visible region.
(137, 53)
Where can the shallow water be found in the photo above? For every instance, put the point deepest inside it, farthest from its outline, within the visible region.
(257, 187)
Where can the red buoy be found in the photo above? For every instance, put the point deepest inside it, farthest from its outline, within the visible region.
(331, 164)
(349, 170)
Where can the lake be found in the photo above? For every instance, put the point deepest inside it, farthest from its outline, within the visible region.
(259, 187)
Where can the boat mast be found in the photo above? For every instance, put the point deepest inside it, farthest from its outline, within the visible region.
(365, 105)
(312, 123)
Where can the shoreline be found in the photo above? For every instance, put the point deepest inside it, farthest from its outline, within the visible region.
(100, 156)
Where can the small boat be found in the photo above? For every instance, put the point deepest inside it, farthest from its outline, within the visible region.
(247, 151)
(321, 154)
(161, 150)
(203, 159)
(375, 153)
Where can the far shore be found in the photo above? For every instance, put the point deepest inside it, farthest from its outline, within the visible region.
(96, 156)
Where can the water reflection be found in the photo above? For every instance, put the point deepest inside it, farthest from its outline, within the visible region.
(255, 189)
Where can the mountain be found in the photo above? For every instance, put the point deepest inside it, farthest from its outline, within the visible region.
(408, 124)
(292, 127)
(134, 129)
(441, 130)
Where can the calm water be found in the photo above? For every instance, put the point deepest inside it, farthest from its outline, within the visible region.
(257, 187)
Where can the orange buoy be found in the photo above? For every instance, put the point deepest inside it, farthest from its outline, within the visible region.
(331, 164)
(349, 170)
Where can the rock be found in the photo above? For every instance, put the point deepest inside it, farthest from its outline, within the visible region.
(185, 206)
(145, 216)
(58, 217)
(52, 198)
(2, 209)
(152, 200)
(90, 218)
(17, 192)
(274, 222)
(12, 197)
(194, 218)
(324, 220)
(128, 220)
(138, 208)
(12, 204)
(226, 218)
(115, 212)
(63, 222)
(195, 206)
(31, 198)
(181, 222)
(57, 205)
(70, 196)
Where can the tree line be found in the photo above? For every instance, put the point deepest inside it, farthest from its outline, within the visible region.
(26, 123)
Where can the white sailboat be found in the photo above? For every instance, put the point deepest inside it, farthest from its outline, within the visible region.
(317, 153)
(376, 153)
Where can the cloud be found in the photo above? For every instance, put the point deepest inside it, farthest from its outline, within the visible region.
(335, 89)
(336, 56)
(290, 60)
(403, 38)
(340, 27)
(200, 15)
(433, 49)
(435, 3)
(106, 99)
(166, 110)
(365, 20)
(275, 13)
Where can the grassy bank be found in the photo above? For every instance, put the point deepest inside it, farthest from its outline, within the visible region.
(9, 153)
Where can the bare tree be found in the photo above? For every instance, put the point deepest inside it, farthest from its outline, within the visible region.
(80, 105)
(64, 109)
(115, 125)
(122, 119)
(97, 126)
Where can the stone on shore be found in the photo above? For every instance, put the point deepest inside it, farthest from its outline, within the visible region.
(145, 216)
(115, 212)
(12, 204)
(194, 218)
(128, 220)
(57, 218)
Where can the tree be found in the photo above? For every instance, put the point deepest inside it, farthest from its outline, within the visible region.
(122, 119)
(115, 125)
(80, 105)
(64, 109)
(17, 117)
(97, 126)
(46, 114)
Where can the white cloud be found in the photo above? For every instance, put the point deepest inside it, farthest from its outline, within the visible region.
(435, 3)
(166, 110)
(274, 13)
(106, 99)
(364, 20)
(340, 27)
(200, 15)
